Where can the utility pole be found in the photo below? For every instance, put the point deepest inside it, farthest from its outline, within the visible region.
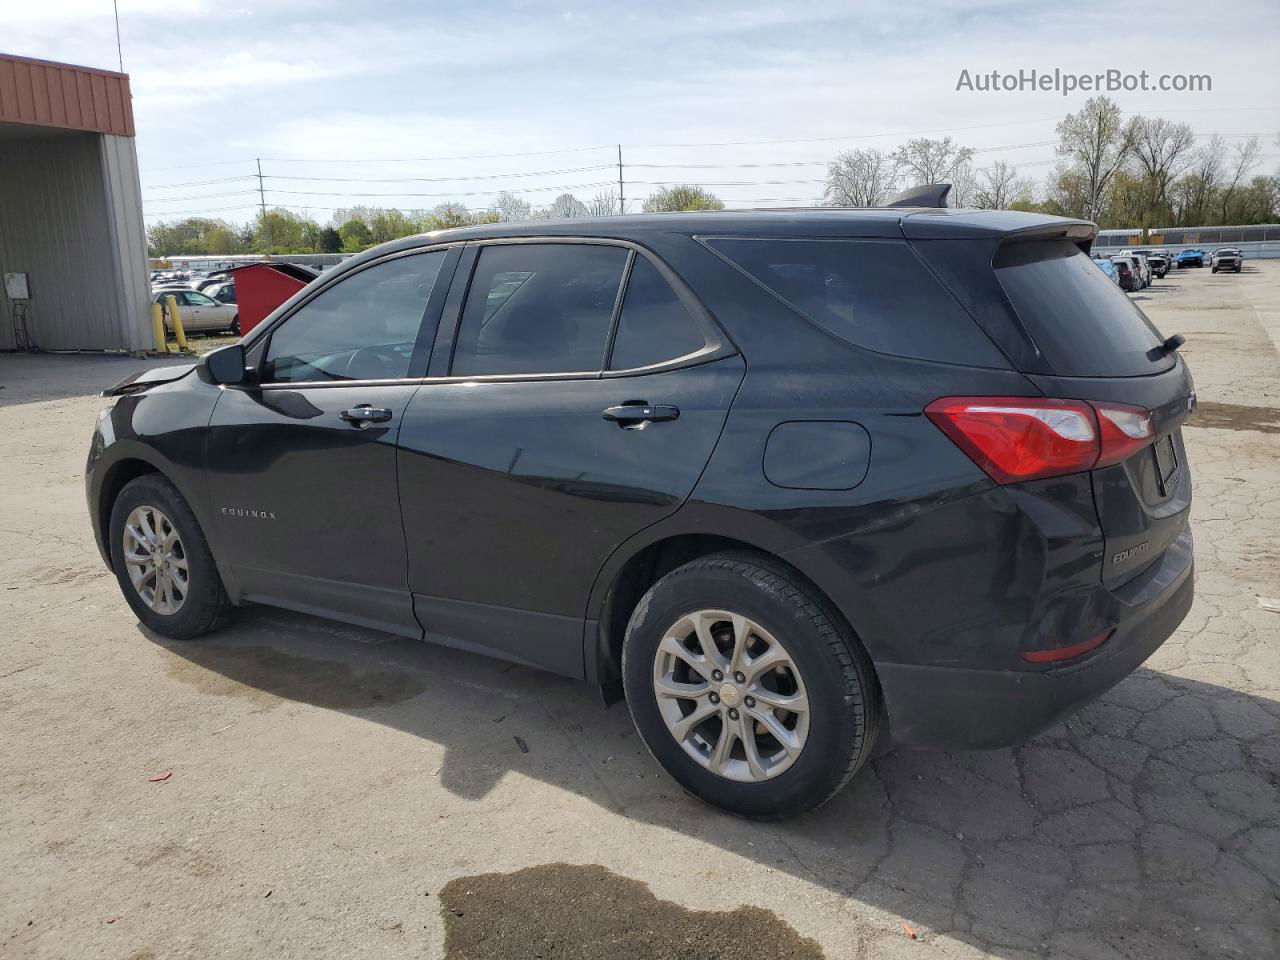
(262, 199)
(622, 200)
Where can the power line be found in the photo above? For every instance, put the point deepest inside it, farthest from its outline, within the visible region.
(479, 176)
(198, 183)
(201, 196)
(473, 156)
(455, 193)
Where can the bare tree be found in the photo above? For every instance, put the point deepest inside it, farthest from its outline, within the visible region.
(1163, 150)
(860, 178)
(510, 208)
(1193, 192)
(603, 205)
(567, 207)
(999, 186)
(1242, 161)
(923, 160)
(1098, 142)
(964, 186)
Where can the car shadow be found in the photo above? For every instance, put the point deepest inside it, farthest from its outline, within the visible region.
(1148, 825)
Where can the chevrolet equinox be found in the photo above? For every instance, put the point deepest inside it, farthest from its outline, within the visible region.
(787, 481)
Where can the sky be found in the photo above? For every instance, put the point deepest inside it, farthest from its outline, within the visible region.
(403, 104)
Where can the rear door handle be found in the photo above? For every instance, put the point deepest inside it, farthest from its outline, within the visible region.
(626, 413)
(364, 415)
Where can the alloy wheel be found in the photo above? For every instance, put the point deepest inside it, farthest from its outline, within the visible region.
(731, 695)
(156, 560)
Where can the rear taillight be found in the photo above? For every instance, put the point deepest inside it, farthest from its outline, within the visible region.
(1026, 438)
(1124, 430)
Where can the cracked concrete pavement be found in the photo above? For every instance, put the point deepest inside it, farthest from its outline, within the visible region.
(328, 782)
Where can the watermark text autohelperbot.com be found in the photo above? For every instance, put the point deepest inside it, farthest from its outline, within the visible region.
(1032, 80)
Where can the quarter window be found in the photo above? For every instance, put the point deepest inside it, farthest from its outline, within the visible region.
(538, 308)
(875, 294)
(362, 328)
(654, 326)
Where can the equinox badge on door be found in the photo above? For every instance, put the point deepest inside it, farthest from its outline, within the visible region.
(249, 514)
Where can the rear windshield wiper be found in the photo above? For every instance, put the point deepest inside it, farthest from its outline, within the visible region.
(1168, 347)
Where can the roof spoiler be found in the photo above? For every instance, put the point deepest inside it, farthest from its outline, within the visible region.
(925, 195)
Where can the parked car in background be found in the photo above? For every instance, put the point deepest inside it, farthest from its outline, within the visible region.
(200, 313)
(1107, 266)
(1144, 266)
(224, 292)
(1158, 263)
(579, 445)
(1191, 257)
(1127, 275)
(1227, 258)
(1141, 273)
(212, 280)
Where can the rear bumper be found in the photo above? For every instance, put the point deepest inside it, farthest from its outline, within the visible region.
(960, 708)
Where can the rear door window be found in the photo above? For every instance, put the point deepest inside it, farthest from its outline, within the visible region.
(539, 308)
(655, 326)
(1083, 324)
(875, 294)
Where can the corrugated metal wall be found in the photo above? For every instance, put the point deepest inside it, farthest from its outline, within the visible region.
(70, 216)
(124, 204)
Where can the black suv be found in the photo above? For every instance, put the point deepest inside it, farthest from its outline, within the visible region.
(782, 479)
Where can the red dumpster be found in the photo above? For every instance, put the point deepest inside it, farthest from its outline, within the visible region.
(261, 287)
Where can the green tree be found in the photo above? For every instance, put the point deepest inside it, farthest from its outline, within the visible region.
(451, 215)
(682, 197)
(281, 231)
(355, 236)
(330, 241)
(192, 236)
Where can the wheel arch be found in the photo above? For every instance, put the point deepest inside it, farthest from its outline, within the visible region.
(111, 477)
(626, 579)
(114, 478)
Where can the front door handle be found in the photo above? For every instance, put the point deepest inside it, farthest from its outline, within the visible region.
(639, 412)
(364, 415)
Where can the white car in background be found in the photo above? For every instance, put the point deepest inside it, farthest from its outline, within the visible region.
(200, 313)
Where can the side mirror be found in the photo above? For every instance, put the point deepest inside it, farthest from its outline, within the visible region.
(225, 365)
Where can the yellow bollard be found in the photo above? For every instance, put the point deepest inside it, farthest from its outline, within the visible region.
(157, 328)
(172, 303)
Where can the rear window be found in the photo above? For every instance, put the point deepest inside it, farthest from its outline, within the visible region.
(1083, 323)
(872, 293)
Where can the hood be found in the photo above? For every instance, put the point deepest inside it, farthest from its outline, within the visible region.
(146, 379)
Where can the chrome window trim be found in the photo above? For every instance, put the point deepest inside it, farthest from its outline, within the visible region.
(715, 343)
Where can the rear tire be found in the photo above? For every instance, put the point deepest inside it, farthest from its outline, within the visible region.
(235, 325)
(821, 669)
(167, 549)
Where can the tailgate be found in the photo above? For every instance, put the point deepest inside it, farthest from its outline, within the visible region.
(1144, 502)
(1096, 345)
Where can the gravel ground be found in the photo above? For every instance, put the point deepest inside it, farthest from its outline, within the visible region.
(337, 793)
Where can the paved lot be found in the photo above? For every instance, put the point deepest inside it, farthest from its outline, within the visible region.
(335, 793)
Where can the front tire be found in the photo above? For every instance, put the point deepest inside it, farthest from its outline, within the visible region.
(162, 561)
(747, 688)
